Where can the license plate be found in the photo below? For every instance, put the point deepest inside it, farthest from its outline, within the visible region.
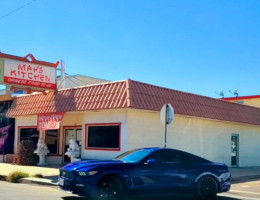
(61, 181)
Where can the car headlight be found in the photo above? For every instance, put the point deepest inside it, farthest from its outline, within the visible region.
(224, 176)
(88, 173)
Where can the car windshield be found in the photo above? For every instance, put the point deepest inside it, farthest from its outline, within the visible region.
(134, 156)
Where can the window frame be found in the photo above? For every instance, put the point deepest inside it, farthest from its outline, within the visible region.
(102, 149)
(58, 142)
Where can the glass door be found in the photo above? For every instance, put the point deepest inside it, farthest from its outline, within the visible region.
(234, 150)
(71, 133)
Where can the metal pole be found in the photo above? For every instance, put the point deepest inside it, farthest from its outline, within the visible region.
(63, 76)
(165, 126)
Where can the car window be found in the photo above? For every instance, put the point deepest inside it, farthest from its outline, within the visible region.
(197, 159)
(134, 156)
(169, 156)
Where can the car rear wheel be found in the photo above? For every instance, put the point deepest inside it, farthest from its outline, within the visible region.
(206, 188)
(110, 188)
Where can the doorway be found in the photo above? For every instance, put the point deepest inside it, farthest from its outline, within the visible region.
(71, 133)
(234, 150)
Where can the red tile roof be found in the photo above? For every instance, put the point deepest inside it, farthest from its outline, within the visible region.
(133, 94)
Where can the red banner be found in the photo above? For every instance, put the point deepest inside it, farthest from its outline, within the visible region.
(49, 121)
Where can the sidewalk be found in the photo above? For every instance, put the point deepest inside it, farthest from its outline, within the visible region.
(51, 173)
(242, 173)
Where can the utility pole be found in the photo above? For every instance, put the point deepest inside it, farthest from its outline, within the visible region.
(63, 75)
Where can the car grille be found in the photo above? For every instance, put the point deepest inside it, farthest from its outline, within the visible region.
(66, 174)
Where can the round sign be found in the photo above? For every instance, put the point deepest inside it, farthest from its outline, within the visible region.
(167, 114)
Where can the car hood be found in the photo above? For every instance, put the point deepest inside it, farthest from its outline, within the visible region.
(89, 164)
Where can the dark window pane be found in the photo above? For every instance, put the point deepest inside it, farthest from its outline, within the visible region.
(31, 134)
(103, 136)
(52, 141)
(169, 156)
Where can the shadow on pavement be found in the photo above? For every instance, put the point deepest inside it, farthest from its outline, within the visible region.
(2, 178)
(54, 179)
(74, 198)
(184, 198)
(177, 197)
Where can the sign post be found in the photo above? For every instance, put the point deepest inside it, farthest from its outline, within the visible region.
(167, 114)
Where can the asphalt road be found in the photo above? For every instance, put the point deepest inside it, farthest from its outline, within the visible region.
(11, 191)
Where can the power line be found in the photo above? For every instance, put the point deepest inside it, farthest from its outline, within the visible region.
(72, 82)
(17, 9)
(77, 79)
(80, 80)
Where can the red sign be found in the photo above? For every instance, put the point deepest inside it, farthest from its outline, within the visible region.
(23, 72)
(49, 121)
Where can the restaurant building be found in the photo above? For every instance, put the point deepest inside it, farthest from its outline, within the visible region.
(110, 118)
(253, 100)
(27, 75)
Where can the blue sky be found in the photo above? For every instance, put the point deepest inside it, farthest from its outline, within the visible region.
(196, 46)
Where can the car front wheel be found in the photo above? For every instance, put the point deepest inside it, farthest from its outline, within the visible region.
(206, 188)
(110, 189)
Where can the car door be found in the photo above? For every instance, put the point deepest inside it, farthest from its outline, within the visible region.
(146, 178)
(162, 171)
(175, 171)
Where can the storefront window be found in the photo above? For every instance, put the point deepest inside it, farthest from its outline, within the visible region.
(31, 134)
(52, 141)
(105, 136)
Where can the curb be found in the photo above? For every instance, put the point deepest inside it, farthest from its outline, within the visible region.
(38, 182)
(244, 178)
(29, 181)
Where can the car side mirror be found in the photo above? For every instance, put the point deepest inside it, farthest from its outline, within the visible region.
(150, 161)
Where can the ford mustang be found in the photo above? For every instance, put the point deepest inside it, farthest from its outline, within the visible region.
(146, 171)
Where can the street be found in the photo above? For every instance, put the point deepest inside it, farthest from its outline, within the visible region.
(11, 191)
(247, 190)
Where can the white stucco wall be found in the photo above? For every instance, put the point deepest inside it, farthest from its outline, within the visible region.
(106, 116)
(207, 138)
